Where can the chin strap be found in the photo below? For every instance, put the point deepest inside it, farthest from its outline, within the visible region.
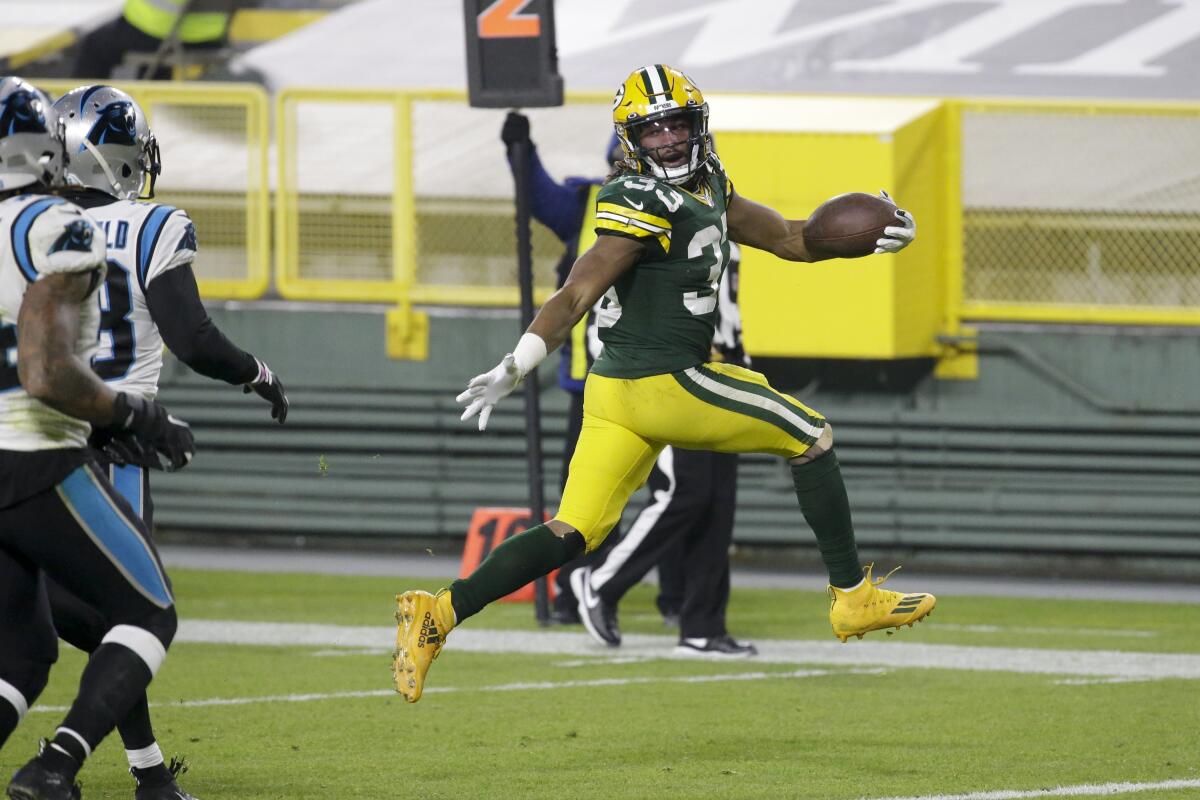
(103, 162)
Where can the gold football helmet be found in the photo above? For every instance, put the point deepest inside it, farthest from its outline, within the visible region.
(648, 98)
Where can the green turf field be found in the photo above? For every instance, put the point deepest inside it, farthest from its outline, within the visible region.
(1005, 698)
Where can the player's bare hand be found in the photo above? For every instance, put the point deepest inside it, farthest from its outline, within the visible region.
(897, 237)
(484, 391)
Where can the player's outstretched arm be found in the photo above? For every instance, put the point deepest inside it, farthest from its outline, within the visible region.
(594, 272)
(759, 226)
(756, 225)
(592, 275)
(173, 299)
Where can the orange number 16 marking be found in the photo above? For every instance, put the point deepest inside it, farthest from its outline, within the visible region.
(503, 20)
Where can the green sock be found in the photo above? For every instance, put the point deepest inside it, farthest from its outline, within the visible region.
(823, 501)
(518, 560)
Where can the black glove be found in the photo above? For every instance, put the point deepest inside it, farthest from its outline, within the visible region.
(516, 128)
(155, 430)
(268, 386)
(120, 448)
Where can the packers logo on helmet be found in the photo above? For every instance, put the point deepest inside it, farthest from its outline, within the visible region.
(661, 120)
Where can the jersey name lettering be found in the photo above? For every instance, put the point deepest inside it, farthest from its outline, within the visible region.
(115, 235)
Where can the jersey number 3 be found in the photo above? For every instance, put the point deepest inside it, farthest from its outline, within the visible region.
(705, 301)
(115, 354)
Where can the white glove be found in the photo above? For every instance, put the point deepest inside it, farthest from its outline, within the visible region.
(897, 237)
(484, 391)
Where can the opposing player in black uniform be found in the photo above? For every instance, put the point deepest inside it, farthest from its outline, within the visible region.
(59, 515)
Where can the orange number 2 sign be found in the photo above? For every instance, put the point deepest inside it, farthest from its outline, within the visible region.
(502, 19)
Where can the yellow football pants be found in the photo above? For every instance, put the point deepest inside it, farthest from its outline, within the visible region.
(627, 422)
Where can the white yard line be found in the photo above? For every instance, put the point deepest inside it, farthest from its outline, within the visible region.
(1079, 790)
(524, 686)
(891, 654)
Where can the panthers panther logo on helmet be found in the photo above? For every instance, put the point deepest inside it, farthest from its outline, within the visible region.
(116, 124)
(22, 113)
(112, 147)
(31, 137)
(649, 96)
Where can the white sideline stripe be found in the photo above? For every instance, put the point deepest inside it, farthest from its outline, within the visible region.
(1088, 789)
(503, 687)
(890, 654)
(1119, 632)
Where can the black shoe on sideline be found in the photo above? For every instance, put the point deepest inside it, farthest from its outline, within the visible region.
(597, 616)
(718, 647)
(34, 782)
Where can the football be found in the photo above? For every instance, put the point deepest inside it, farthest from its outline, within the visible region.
(848, 225)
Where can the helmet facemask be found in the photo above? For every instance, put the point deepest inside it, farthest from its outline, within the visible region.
(674, 160)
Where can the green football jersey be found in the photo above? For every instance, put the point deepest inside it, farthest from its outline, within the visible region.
(659, 316)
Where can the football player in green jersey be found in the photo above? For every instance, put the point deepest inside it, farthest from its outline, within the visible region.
(663, 222)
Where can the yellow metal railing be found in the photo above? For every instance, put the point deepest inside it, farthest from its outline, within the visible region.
(1085, 211)
(432, 232)
(1013, 245)
(1053, 211)
(214, 140)
(344, 217)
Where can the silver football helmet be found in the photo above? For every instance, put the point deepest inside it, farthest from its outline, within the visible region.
(31, 137)
(109, 143)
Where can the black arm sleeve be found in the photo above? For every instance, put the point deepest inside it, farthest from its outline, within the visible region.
(174, 302)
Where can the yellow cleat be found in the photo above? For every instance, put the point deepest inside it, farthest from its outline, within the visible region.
(420, 634)
(869, 608)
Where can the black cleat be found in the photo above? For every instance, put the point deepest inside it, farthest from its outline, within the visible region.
(158, 783)
(718, 647)
(34, 782)
(599, 617)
